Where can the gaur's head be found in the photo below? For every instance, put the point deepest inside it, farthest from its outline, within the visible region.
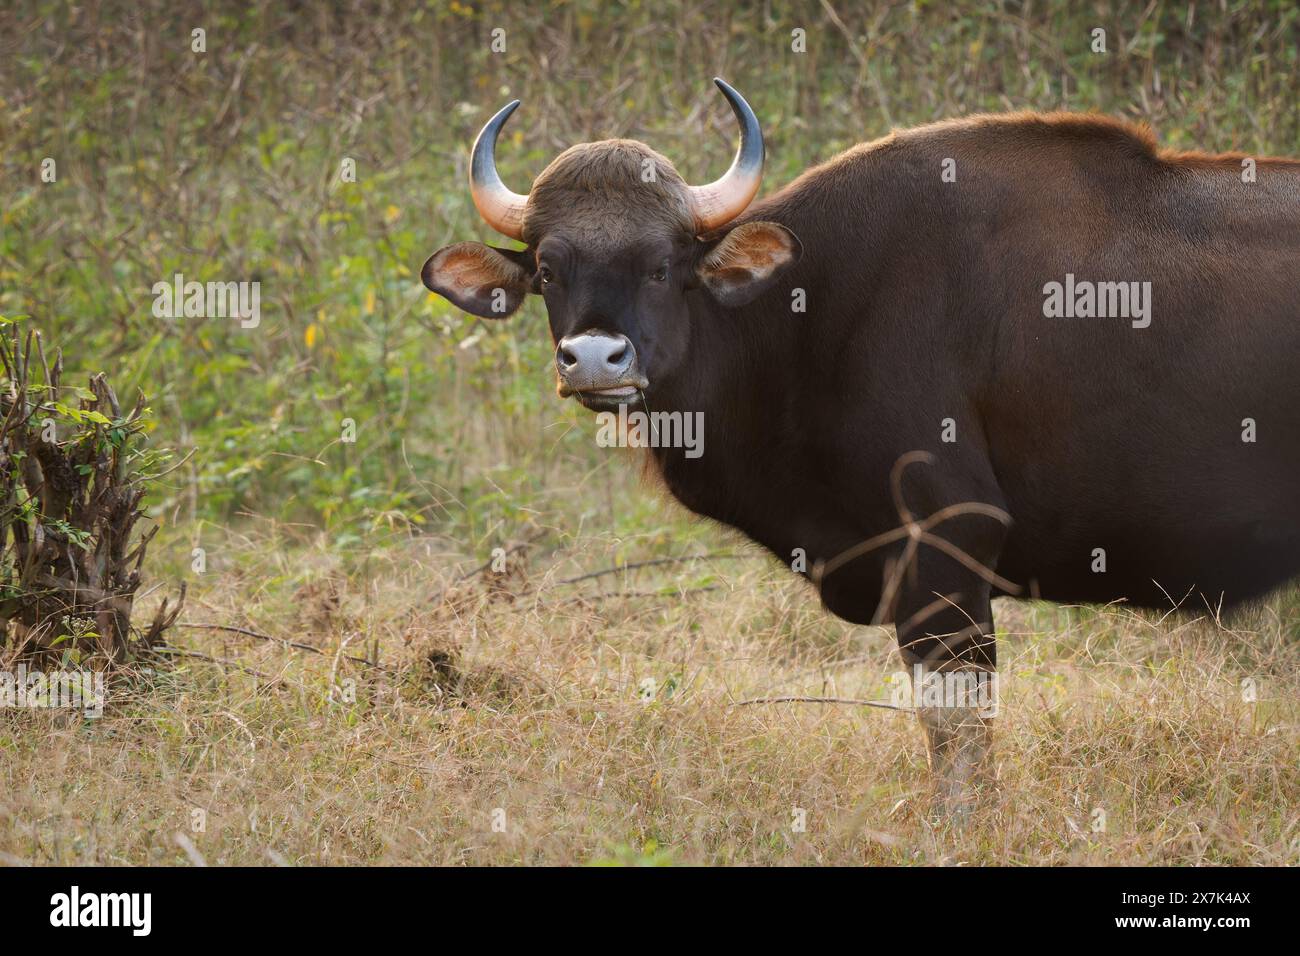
(616, 242)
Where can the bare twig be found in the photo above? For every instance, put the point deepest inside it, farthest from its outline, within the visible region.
(282, 641)
(655, 562)
(220, 661)
(794, 699)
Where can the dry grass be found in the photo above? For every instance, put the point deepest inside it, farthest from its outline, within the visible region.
(525, 694)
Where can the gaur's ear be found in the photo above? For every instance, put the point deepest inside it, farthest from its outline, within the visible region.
(748, 261)
(479, 279)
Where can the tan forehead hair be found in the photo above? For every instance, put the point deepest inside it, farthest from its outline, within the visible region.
(611, 190)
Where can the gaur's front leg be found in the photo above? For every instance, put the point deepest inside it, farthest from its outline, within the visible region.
(957, 743)
(945, 632)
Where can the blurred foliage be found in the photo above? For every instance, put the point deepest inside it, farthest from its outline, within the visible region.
(225, 165)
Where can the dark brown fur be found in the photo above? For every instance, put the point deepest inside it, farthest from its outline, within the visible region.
(925, 303)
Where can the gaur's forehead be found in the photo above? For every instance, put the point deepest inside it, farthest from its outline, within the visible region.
(610, 233)
(610, 192)
(635, 249)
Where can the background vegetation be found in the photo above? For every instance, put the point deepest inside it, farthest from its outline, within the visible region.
(520, 690)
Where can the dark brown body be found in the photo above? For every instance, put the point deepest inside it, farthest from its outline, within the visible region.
(925, 303)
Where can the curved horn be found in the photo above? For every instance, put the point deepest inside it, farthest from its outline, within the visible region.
(500, 208)
(719, 202)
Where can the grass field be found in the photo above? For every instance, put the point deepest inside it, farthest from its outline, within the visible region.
(524, 695)
(436, 713)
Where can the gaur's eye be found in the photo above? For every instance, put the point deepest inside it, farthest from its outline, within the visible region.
(660, 274)
(545, 275)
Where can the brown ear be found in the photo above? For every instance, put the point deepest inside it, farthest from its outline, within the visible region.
(748, 261)
(480, 279)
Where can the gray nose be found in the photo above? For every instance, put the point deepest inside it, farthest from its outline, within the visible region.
(594, 359)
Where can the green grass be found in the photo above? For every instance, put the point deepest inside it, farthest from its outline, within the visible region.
(225, 165)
